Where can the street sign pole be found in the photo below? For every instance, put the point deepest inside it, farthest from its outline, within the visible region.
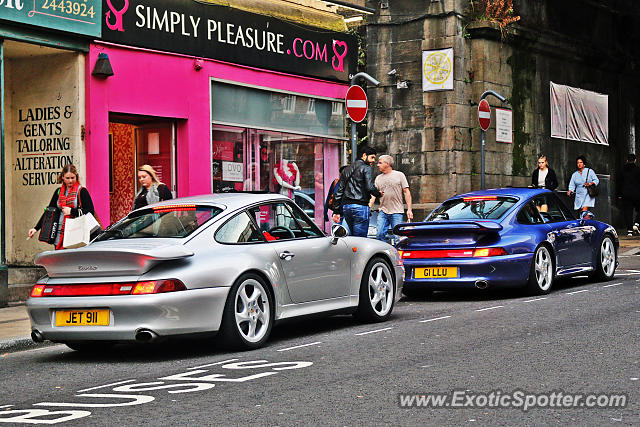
(354, 136)
(502, 99)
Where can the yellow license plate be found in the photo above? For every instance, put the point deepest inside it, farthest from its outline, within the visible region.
(435, 272)
(93, 317)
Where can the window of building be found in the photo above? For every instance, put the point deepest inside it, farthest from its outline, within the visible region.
(289, 104)
(311, 106)
(336, 108)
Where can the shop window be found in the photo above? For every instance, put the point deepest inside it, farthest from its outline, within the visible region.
(336, 108)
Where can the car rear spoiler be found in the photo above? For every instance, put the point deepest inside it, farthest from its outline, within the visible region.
(431, 228)
(99, 261)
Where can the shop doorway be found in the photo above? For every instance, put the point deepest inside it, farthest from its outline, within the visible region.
(133, 142)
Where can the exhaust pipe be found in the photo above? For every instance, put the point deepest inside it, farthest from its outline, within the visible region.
(146, 335)
(36, 336)
(482, 284)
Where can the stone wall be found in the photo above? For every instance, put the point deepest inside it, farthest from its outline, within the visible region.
(435, 136)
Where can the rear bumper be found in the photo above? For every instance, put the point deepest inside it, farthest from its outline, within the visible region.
(507, 271)
(166, 314)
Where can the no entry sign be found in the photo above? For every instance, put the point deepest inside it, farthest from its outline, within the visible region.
(484, 114)
(356, 100)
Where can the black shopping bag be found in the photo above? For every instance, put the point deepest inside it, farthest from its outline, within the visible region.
(50, 224)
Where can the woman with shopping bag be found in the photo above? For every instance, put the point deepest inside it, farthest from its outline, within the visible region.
(71, 200)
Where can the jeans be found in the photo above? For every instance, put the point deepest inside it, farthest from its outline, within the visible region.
(357, 218)
(384, 220)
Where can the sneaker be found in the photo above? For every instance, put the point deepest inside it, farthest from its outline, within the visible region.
(636, 228)
(629, 233)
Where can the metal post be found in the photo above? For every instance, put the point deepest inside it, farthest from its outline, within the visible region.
(482, 163)
(502, 99)
(354, 136)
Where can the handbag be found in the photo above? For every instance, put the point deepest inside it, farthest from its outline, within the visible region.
(593, 190)
(50, 224)
(77, 231)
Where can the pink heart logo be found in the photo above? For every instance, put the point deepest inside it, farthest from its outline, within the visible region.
(337, 62)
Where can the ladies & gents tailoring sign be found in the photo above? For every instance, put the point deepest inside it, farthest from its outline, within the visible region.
(73, 16)
(228, 34)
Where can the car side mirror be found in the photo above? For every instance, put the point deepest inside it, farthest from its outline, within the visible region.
(584, 215)
(337, 231)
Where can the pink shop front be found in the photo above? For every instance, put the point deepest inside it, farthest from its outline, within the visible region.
(261, 116)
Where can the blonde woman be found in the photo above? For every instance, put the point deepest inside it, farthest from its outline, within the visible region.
(151, 190)
(69, 198)
(544, 176)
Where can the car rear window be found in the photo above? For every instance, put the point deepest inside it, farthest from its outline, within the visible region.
(476, 207)
(167, 221)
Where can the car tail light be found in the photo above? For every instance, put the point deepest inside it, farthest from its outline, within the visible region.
(108, 289)
(157, 287)
(37, 291)
(454, 253)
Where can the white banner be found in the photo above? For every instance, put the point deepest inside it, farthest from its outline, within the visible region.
(579, 115)
(437, 70)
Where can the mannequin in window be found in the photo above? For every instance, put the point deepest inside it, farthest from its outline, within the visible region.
(287, 176)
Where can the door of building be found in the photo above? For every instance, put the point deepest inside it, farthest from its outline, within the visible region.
(133, 142)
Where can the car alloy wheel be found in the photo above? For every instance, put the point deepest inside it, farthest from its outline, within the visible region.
(606, 259)
(541, 276)
(252, 310)
(377, 291)
(248, 316)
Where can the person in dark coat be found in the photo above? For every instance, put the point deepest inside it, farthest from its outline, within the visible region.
(355, 188)
(544, 176)
(72, 199)
(152, 190)
(628, 192)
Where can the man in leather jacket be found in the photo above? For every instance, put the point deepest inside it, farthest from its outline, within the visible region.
(355, 188)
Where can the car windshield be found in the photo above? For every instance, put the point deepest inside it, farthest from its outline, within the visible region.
(160, 221)
(475, 207)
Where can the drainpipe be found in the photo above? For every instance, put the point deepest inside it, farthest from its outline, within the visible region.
(4, 272)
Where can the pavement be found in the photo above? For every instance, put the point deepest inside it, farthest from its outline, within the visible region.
(15, 327)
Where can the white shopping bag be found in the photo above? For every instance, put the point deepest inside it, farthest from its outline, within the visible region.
(77, 232)
(92, 222)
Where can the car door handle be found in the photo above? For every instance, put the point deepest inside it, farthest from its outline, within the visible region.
(286, 255)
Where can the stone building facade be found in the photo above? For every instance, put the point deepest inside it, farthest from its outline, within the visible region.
(435, 136)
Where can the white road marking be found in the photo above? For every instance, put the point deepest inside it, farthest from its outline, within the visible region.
(6, 406)
(434, 319)
(374, 331)
(300, 346)
(626, 274)
(490, 308)
(535, 299)
(577, 292)
(214, 364)
(613, 284)
(106, 385)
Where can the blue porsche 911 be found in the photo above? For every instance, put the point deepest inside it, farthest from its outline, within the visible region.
(508, 237)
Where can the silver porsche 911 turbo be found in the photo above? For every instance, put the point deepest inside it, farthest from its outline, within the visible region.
(230, 263)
